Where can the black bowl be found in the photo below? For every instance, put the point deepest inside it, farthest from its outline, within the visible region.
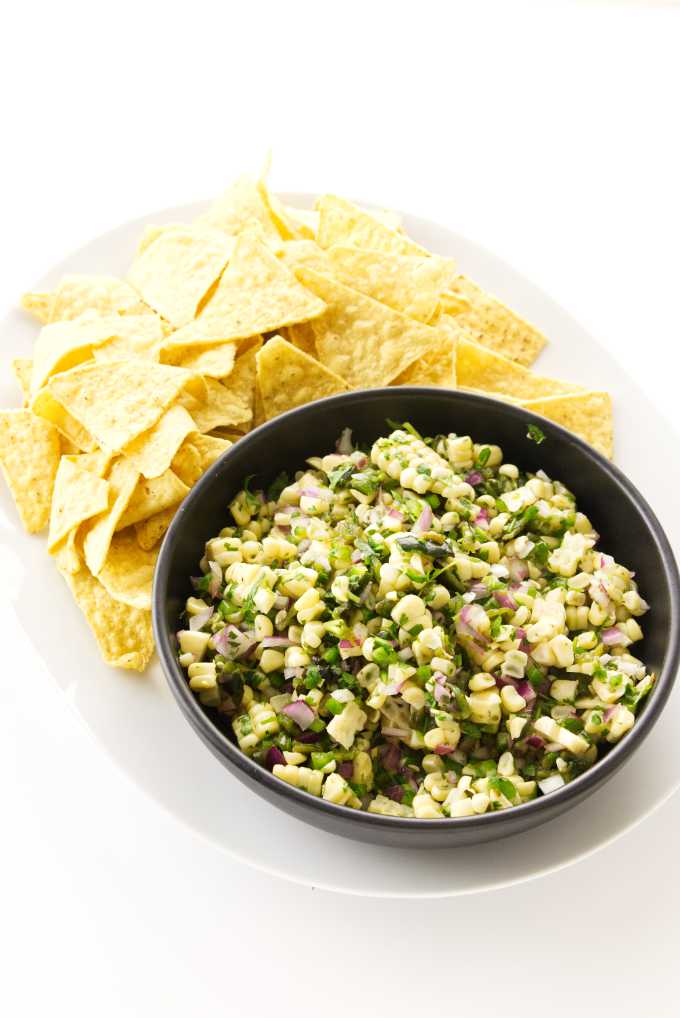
(629, 529)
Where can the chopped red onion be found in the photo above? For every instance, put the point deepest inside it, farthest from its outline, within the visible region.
(391, 755)
(232, 643)
(274, 756)
(479, 589)
(357, 555)
(610, 712)
(507, 680)
(308, 737)
(482, 519)
(395, 514)
(424, 521)
(362, 462)
(311, 492)
(535, 741)
(526, 690)
(465, 627)
(200, 619)
(215, 580)
(395, 793)
(614, 637)
(517, 569)
(444, 750)
(505, 600)
(276, 642)
(345, 769)
(474, 478)
(300, 712)
(398, 733)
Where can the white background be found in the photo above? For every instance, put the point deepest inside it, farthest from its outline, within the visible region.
(546, 131)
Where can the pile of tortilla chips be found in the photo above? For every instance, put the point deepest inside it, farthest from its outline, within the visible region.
(137, 385)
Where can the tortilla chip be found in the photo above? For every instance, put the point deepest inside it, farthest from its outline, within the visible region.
(67, 556)
(38, 304)
(341, 222)
(287, 378)
(98, 534)
(79, 494)
(22, 368)
(491, 323)
(124, 634)
(361, 340)
(152, 496)
(145, 342)
(149, 532)
(411, 284)
(47, 407)
(255, 294)
(214, 360)
(63, 345)
(119, 400)
(240, 207)
(220, 409)
(29, 457)
(480, 368)
(197, 454)
(302, 336)
(241, 382)
(259, 416)
(588, 414)
(305, 252)
(77, 294)
(437, 366)
(288, 224)
(128, 571)
(175, 271)
(153, 451)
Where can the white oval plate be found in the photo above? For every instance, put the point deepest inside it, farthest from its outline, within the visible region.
(136, 720)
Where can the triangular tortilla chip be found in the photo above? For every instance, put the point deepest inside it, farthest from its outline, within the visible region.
(128, 571)
(149, 532)
(119, 400)
(240, 207)
(63, 345)
(76, 294)
(29, 457)
(153, 451)
(305, 252)
(214, 360)
(437, 366)
(341, 222)
(79, 494)
(220, 409)
(152, 496)
(587, 414)
(256, 294)
(175, 271)
(361, 340)
(411, 284)
(197, 454)
(241, 381)
(124, 634)
(491, 323)
(22, 368)
(287, 378)
(98, 534)
(481, 368)
(46, 406)
(302, 336)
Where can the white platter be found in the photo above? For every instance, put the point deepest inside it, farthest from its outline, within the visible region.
(136, 720)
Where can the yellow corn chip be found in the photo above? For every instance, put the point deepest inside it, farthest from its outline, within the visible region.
(77, 294)
(79, 494)
(255, 294)
(175, 271)
(124, 634)
(287, 378)
(214, 360)
(302, 336)
(480, 368)
(149, 532)
(67, 556)
(38, 304)
(305, 252)
(48, 408)
(152, 496)
(64, 345)
(152, 452)
(118, 400)
(363, 341)
(99, 532)
(411, 284)
(221, 408)
(145, 343)
(288, 223)
(259, 416)
(588, 414)
(491, 323)
(197, 454)
(22, 368)
(240, 207)
(128, 571)
(241, 382)
(29, 457)
(437, 366)
(341, 222)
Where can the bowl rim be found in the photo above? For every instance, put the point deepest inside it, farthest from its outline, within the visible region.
(540, 808)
